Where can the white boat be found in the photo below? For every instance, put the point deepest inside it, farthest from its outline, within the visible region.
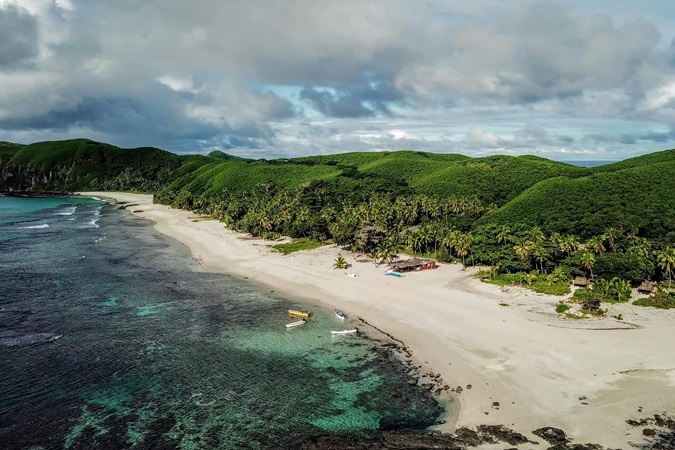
(296, 324)
(341, 314)
(353, 330)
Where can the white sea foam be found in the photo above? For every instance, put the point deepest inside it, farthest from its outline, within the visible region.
(92, 223)
(44, 225)
(29, 339)
(69, 211)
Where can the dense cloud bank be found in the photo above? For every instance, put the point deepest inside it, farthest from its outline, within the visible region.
(272, 78)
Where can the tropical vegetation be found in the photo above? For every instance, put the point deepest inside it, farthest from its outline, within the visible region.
(535, 222)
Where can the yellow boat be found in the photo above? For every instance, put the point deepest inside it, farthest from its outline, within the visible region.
(293, 312)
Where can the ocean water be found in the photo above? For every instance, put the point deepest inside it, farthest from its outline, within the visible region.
(590, 163)
(111, 338)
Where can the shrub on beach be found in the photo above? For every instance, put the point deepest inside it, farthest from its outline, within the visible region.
(589, 299)
(340, 263)
(561, 307)
(551, 284)
(296, 246)
(660, 299)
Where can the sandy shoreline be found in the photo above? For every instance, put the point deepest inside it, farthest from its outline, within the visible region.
(586, 377)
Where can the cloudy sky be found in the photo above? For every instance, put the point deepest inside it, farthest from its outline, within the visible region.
(267, 78)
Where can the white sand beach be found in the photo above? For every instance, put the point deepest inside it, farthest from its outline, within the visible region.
(586, 377)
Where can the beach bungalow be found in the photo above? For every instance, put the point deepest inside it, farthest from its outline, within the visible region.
(646, 287)
(581, 282)
(413, 264)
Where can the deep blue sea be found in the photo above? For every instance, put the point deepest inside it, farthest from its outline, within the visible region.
(112, 338)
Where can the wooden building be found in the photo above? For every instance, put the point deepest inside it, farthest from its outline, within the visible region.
(581, 282)
(413, 264)
(646, 287)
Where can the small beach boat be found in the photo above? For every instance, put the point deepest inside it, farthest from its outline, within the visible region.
(341, 314)
(353, 330)
(394, 274)
(293, 312)
(296, 324)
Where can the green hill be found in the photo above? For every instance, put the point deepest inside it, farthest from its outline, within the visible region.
(494, 179)
(84, 164)
(9, 149)
(640, 195)
(222, 155)
(651, 158)
(524, 189)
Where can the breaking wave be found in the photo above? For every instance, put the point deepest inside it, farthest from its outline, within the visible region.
(69, 211)
(28, 339)
(44, 225)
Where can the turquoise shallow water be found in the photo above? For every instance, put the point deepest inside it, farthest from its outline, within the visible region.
(110, 338)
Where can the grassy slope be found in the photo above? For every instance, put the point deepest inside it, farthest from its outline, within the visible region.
(494, 179)
(651, 158)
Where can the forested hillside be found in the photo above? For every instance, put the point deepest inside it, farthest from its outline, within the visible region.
(516, 213)
(59, 166)
(495, 179)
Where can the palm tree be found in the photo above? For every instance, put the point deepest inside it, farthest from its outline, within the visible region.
(640, 248)
(340, 262)
(597, 244)
(557, 240)
(522, 249)
(539, 254)
(414, 241)
(587, 260)
(610, 236)
(450, 240)
(666, 260)
(536, 235)
(462, 248)
(569, 244)
(426, 236)
(387, 251)
(467, 240)
(503, 234)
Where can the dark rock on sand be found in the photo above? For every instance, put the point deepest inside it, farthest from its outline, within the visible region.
(553, 436)
(503, 434)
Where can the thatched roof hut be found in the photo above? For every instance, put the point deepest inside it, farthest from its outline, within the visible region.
(646, 287)
(581, 282)
(413, 264)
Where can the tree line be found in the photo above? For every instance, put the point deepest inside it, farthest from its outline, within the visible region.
(384, 224)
